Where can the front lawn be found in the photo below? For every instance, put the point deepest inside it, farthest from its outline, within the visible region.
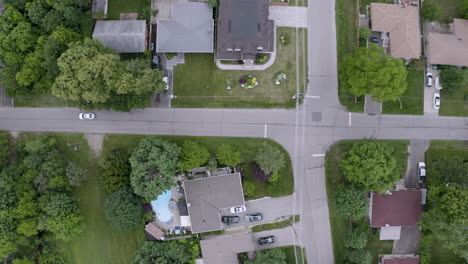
(199, 83)
(412, 100)
(45, 100)
(99, 243)
(247, 146)
(115, 7)
(455, 104)
(334, 177)
(276, 225)
(347, 40)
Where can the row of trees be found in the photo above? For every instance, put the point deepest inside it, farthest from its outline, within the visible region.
(446, 216)
(37, 211)
(181, 251)
(368, 165)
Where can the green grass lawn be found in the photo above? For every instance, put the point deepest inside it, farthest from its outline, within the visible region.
(334, 177)
(247, 146)
(295, 255)
(455, 104)
(277, 225)
(46, 100)
(99, 243)
(199, 83)
(412, 100)
(125, 6)
(441, 255)
(346, 41)
(450, 8)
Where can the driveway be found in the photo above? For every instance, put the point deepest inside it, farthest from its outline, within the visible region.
(417, 149)
(272, 210)
(224, 248)
(429, 94)
(289, 16)
(409, 241)
(372, 107)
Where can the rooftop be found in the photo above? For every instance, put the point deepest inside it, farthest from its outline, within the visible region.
(190, 29)
(449, 49)
(206, 196)
(402, 22)
(243, 29)
(398, 208)
(123, 36)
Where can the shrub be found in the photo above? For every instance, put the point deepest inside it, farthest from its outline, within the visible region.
(351, 202)
(356, 238)
(364, 32)
(260, 58)
(431, 12)
(258, 173)
(358, 256)
(273, 189)
(249, 188)
(425, 248)
(193, 155)
(228, 156)
(114, 171)
(123, 209)
(75, 174)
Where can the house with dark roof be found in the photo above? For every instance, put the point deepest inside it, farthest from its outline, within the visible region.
(123, 36)
(205, 198)
(190, 29)
(399, 259)
(244, 30)
(393, 210)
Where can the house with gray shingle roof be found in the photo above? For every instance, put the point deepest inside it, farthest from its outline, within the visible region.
(190, 29)
(123, 36)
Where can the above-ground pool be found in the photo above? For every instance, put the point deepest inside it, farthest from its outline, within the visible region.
(161, 206)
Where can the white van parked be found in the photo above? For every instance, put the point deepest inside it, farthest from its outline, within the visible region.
(437, 84)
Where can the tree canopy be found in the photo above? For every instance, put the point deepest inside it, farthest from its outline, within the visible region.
(270, 158)
(370, 164)
(123, 209)
(193, 155)
(228, 155)
(431, 12)
(351, 202)
(93, 75)
(270, 256)
(114, 171)
(170, 252)
(371, 71)
(154, 163)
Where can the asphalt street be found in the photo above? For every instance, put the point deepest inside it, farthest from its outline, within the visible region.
(306, 133)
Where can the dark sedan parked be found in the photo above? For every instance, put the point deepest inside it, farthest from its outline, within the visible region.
(253, 217)
(230, 219)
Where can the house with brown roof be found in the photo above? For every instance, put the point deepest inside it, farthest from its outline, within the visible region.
(394, 209)
(399, 28)
(449, 49)
(399, 259)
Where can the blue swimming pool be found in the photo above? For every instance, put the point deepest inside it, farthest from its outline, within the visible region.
(161, 206)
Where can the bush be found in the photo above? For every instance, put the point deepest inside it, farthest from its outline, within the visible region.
(260, 58)
(425, 248)
(358, 256)
(273, 189)
(351, 202)
(170, 55)
(258, 173)
(356, 238)
(228, 156)
(431, 12)
(364, 33)
(193, 155)
(451, 79)
(114, 171)
(4, 148)
(75, 174)
(249, 188)
(123, 209)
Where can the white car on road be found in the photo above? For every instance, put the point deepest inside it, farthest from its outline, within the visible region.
(89, 116)
(436, 101)
(238, 209)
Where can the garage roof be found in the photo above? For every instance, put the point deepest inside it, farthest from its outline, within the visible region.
(397, 208)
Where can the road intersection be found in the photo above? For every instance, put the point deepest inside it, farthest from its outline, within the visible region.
(306, 133)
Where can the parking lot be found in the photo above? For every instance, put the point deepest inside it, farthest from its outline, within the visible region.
(272, 209)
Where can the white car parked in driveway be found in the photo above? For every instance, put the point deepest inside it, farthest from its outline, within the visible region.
(429, 79)
(238, 209)
(436, 101)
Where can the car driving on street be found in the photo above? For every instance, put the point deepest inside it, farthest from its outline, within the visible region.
(89, 116)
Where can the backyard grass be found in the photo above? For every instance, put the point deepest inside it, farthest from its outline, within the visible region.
(291, 252)
(99, 243)
(277, 225)
(347, 41)
(247, 146)
(455, 104)
(412, 100)
(441, 255)
(199, 83)
(125, 6)
(450, 8)
(334, 177)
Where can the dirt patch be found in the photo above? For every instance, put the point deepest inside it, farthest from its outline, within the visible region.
(95, 142)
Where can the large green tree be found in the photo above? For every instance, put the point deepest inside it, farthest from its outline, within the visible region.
(451, 79)
(193, 155)
(123, 209)
(170, 252)
(115, 171)
(371, 71)
(270, 158)
(228, 155)
(351, 202)
(370, 164)
(154, 163)
(356, 238)
(358, 256)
